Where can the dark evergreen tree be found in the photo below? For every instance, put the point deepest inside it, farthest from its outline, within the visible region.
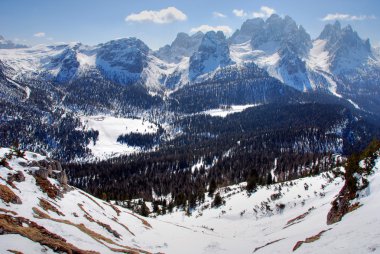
(144, 210)
(218, 200)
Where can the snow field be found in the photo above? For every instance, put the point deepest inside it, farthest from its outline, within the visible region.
(110, 128)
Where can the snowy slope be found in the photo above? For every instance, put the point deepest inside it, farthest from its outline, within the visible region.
(271, 220)
(83, 221)
(257, 224)
(319, 62)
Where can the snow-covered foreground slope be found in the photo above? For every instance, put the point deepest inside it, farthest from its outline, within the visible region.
(110, 128)
(43, 214)
(73, 219)
(275, 218)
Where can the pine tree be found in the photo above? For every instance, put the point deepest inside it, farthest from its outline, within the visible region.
(269, 179)
(144, 210)
(251, 184)
(212, 188)
(218, 200)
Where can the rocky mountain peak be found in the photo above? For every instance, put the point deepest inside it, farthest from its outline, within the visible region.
(213, 52)
(128, 54)
(126, 44)
(183, 45)
(249, 28)
(345, 47)
(282, 32)
(337, 36)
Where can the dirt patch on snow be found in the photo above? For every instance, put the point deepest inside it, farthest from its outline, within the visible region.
(265, 245)
(8, 196)
(298, 218)
(96, 236)
(47, 206)
(310, 239)
(36, 233)
(46, 186)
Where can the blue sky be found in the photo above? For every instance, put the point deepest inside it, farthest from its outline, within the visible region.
(157, 22)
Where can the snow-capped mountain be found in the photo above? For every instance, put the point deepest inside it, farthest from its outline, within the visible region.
(277, 45)
(346, 49)
(338, 62)
(123, 61)
(345, 65)
(212, 53)
(40, 212)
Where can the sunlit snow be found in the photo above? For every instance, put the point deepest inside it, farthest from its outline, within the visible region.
(110, 128)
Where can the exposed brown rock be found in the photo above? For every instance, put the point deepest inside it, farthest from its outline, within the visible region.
(50, 170)
(91, 219)
(310, 239)
(341, 206)
(15, 251)
(7, 211)
(117, 210)
(37, 233)
(265, 245)
(16, 177)
(42, 173)
(144, 222)
(19, 177)
(97, 237)
(47, 206)
(93, 200)
(8, 196)
(109, 229)
(298, 218)
(51, 190)
(62, 178)
(124, 226)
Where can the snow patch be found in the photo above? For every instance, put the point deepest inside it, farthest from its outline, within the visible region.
(223, 112)
(110, 128)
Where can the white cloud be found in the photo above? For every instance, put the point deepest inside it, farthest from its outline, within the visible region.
(264, 12)
(239, 13)
(206, 28)
(39, 34)
(162, 16)
(218, 15)
(343, 16)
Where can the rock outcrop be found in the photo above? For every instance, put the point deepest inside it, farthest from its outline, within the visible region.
(50, 168)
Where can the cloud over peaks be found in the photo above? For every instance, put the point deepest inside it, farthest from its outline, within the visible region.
(343, 16)
(264, 12)
(163, 16)
(206, 28)
(39, 34)
(239, 13)
(218, 15)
